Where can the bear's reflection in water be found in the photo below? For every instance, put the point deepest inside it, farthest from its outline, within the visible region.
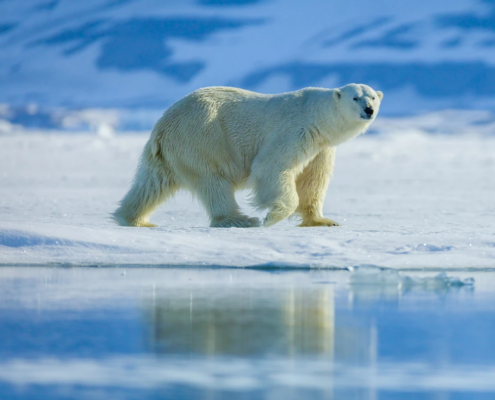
(250, 322)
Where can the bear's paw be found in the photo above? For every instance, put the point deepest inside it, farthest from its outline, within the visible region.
(319, 222)
(235, 222)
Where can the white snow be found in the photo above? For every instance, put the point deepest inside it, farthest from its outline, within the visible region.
(411, 196)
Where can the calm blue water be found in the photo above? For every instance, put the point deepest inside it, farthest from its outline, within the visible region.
(144, 333)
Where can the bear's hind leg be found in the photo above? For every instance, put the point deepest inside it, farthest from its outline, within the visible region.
(217, 195)
(150, 188)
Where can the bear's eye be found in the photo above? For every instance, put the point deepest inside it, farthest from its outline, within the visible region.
(372, 98)
(355, 99)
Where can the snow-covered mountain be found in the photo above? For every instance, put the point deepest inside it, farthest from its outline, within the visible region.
(143, 55)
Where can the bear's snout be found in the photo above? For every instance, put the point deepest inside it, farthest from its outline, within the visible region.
(369, 111)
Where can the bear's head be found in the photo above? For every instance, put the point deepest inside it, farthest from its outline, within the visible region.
(358, 102)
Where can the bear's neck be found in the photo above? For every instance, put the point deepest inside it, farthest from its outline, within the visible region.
(340, 129)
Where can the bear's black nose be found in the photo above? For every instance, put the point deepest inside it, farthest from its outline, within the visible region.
(368, 111)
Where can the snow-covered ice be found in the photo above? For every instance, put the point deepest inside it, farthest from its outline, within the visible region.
(408, 196)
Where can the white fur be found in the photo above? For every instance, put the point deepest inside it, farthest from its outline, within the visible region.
(217, 140)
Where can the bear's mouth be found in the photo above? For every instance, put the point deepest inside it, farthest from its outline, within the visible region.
(366, 116)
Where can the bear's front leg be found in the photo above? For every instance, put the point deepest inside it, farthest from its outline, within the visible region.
(279, 211)
(312, 185)
(278, 193)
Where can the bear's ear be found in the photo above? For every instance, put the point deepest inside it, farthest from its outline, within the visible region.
(336, 94)
(380, 94)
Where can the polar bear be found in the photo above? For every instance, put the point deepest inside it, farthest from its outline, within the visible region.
(217, 140)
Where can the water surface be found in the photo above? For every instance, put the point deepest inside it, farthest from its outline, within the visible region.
(144, 333)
